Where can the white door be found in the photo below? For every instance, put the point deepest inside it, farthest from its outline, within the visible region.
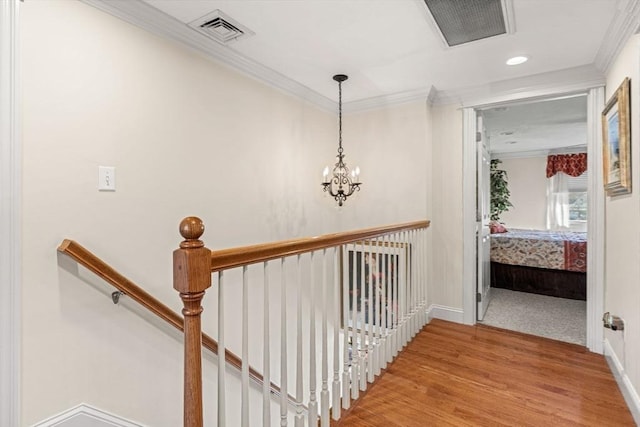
(482, 221)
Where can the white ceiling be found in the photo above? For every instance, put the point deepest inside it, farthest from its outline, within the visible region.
(391, 49)
(537, 127)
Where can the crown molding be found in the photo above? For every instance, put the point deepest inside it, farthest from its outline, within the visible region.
(578, 79)
(388, 100)
(623, 26)
(537, 153)
(10, 219)
(143, 15)
(570, 80)
(519, 154)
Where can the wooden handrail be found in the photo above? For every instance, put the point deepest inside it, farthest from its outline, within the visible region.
(87, 259)
(188, 272)
(246, 255)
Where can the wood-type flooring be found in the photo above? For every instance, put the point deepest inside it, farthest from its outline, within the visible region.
(458, 375)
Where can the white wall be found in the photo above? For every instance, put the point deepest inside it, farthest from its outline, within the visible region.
(528, 186)
(187, 137)
(622, 227)
(447, 239)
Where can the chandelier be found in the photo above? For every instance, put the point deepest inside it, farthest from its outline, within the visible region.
(342, 182)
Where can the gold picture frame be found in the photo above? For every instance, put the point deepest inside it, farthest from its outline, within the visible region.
(616, 142)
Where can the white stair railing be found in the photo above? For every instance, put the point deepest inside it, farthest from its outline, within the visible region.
(362, 295)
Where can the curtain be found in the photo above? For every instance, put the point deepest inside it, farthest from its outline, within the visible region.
(558, 202)
(571, 164)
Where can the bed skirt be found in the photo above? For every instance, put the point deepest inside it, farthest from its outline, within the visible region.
(543, 281)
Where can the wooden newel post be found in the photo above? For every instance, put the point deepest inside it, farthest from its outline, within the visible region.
(191, 277)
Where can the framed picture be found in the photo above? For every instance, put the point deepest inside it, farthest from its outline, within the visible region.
(373, 274)
(616, 142)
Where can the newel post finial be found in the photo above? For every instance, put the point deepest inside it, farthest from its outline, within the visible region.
(191, 277)
(191, 229)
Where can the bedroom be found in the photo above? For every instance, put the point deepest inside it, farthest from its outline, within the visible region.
(538, 266)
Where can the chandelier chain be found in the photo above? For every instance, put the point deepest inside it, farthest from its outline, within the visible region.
(340, 117)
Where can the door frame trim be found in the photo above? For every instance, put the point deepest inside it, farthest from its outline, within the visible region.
(10, 213)
(469, 272)
(595, 222)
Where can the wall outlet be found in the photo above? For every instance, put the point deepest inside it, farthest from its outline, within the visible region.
(106, 178)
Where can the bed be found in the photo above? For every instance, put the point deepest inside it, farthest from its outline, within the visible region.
(543, 262)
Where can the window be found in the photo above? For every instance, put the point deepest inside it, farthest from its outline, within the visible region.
(578, 206)
(578, 202)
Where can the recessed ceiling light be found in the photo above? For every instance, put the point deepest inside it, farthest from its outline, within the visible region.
(517, 60)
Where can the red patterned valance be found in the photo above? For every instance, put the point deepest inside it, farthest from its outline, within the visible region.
(571, 164)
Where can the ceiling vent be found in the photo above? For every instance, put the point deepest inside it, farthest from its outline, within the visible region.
(464, 21)
(221, 27)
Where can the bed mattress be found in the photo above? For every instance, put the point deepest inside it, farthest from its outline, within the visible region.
(556, 250)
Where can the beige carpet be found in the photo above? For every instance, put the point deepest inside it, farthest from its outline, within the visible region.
(557, 318)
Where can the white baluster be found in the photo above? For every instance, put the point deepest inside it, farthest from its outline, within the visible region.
(414, 284)
(423, 277)
(407, 329)
(299, 420)
(324, 393)
(420, 277)
(402, 289)
(419, 281)
(377, 323)
(402, 283)
(335, 391)
(421, 255)
(355, 353)
(283, 345)
(221, 352)
(418, 286)
(369, 314)
(313, 400)
(266, 375)
(425, 246)
(363, 310)
(344, 287)
(384, 305)
(391, 296)
(405, 289)
(245, 348)
(397, 308)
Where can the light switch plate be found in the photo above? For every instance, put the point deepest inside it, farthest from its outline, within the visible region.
(106, 178)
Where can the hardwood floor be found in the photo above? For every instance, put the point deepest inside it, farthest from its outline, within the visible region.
(457, 375)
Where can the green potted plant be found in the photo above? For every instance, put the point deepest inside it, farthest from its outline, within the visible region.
(499, 191)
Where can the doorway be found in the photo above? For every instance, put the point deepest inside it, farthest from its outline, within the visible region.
(594, 102)
(534, 289)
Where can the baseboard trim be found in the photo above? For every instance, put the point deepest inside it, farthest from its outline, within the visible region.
(624, 383)
(86, 415)
(443, 312)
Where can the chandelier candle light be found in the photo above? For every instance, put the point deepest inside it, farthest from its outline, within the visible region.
(342, 182)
